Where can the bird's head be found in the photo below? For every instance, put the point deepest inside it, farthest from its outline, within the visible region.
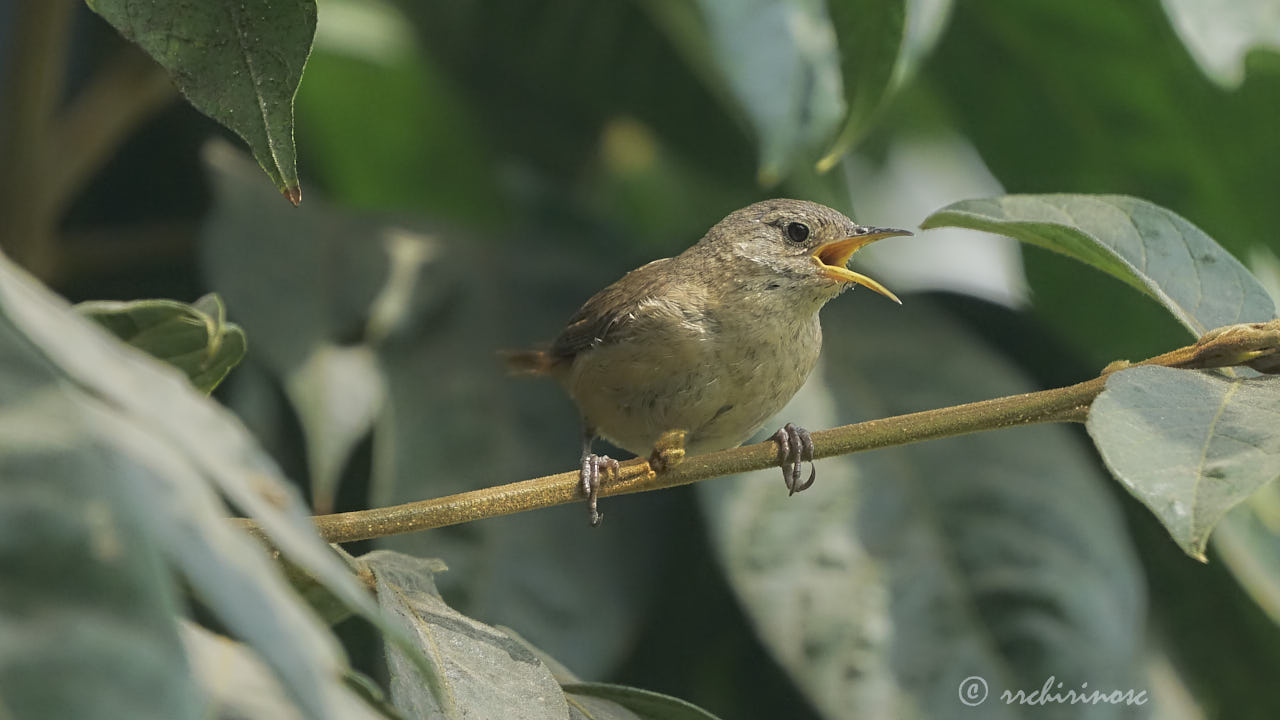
(793, 245)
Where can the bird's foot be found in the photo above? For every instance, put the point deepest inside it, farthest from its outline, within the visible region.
(589, 477)
(795, 447)
(668, 452)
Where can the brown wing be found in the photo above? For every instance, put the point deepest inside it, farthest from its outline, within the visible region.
(599, 319)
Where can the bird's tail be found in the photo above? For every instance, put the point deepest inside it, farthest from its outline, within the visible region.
(527, 362)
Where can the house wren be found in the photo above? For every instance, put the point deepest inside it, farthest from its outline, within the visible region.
(713, 341)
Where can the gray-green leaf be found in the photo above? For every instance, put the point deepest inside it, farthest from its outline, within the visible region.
(904, 571)
(1247, 539)
(86, 602)
(196, 338)
(239, 685)
(1219, 33)
(338, 393)
(602, 701)
(475, 670)
(190, 449)
(779, 58)
(870, 34)
(1144, 245)
(237, 61)
(1189, 444)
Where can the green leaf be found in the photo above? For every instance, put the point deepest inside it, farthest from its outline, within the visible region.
(1248, 541)
(330, 288)
(1118, 108)
(623, 703)
(871, 34)
(475, 670)
(370, 77)
(602, 701)
(1151, 249)
(317, 272)
(196, 339)
(239, 685)
(1220, 33)
(1115, 86)
(86, 605)
(182, 518)
(237, 61)
(780, 60)
(905, 571)
(192, 449)
(1190, 445)
(338, 393)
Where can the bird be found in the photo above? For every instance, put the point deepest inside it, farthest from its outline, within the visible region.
(710, 343)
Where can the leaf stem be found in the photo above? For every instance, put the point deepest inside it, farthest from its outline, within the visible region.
(1233, 345)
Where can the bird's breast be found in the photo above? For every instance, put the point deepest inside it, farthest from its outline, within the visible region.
(718, 374)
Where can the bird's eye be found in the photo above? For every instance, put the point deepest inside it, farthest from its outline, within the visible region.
(797, 232)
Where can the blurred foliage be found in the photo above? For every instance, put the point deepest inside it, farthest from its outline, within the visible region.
(474, 171)
(196, 338)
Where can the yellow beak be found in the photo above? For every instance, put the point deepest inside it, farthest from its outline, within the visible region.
(833, 256)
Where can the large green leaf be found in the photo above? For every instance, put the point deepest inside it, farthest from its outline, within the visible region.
(616, 702)
(196, 339)
(237, 684)
(325, 284)
(86, 606)
(870, 34)
(177, 514)
(603, 701)
(237, 61)
(780, 59)
(370, 78)
(905, 571)
(316, 272)
(338, 393)
(1190, 445)
(475, 670)
(1150, 248)
(193, 449)
(568, 67)
(1220, 33)
(1248, 541)
(1119, 107)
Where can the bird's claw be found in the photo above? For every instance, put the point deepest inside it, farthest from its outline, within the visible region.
(589, 478)
(668, 451)
(795, 447)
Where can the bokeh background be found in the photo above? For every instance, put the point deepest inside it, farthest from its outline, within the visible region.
(472, 171)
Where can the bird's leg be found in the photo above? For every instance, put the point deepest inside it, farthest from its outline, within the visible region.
(668, 451)
(795, 446)
(589, 475)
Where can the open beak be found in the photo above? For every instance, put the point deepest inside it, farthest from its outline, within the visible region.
(833, 256)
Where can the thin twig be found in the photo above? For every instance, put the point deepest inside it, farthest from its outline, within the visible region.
(126, 91)
(33, 89)
(47, 154)
(1234, 345)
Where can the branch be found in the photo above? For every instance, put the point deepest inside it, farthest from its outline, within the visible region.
(52, 151)
(33, 88)
(126, 91)
(1256, 345)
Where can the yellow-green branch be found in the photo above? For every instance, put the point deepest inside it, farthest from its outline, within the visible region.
(1257, 345)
